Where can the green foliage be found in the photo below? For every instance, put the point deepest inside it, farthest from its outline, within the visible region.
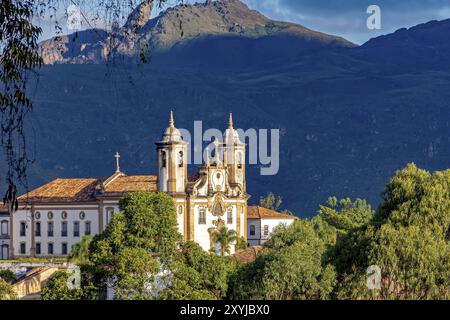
(197, 274)
(80, 250)
(407, 239)
(6, 291)
(8, 276)
(291, 268)
(241, 244)
(57, 288)
(225, 238)
(271, 201)
(125, 253)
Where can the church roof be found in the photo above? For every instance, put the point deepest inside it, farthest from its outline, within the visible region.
(257, 212)
(82, 190)
(125, 184)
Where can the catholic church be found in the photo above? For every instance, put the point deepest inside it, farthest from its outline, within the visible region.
(55, 216)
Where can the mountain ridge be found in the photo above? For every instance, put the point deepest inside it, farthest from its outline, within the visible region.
(177, 26)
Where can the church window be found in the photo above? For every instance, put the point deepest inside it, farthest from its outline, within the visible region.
(239, 160)
(22, 248)
(23, 228)
(180, 159)
(252, 230)
(76, 229)
(37, 229)
(38, 248)
(64, 229)
(50, 229)
(202, 216)
(230, 215)
(50, 248)
(5, 228)
(163, 159)
(87, 228)
(266, 230)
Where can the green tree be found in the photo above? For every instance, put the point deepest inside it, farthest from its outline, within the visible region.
(225, 238)
(406, 239)
(241, 244)
(80, 250)
(197, 274)
(8, 276)
(57, 288)
(271, 201)
(6, 291)
(138, 239)
(291, 268)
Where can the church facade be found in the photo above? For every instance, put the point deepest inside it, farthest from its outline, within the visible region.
(55, 216)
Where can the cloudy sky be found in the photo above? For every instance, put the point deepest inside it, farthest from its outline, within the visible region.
(346, 18)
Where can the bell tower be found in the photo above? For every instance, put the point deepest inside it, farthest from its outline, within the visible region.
(172, 160)
(234, 155)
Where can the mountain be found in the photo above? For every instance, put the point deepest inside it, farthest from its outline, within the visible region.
(348, 116)
(195, 26)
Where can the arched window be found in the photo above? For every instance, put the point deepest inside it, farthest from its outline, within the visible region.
(180, 209)
(202, 216)
(5, 228)
(163, 159)
(230, 215)
(180, 159)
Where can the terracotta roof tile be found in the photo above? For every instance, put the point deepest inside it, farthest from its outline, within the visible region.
(256, 212)
(80, 190)
(125, 184)
(247, 255)
(63, 190)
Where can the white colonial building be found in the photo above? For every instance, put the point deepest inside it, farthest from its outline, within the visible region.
(53, 217)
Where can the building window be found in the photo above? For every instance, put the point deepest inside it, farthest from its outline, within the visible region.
(76, 229)
(163, 159)
(5, 228)
(230, 215)
(180, 159)
(87, 228)
(180, 209)
(22, 248)
(202, 216)
(64, 229)
(266, 230)
(252, 230)
(23, 228)
(109, 214)
(50, 229)
(38, 248)
(64, 248)
(239, 160)
(37, 229)
(50, 248)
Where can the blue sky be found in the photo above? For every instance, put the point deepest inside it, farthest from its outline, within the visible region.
(345, 18)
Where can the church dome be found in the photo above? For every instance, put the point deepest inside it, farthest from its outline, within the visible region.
(172, 133)
(230, 134)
